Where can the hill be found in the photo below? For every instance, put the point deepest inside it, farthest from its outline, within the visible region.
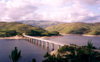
(76, 28)
(15, 28)
(42, 24)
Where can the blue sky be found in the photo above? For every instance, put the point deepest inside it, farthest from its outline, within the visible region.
(52, 10)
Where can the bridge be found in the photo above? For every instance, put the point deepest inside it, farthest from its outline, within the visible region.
(42, 42)
(46, 43)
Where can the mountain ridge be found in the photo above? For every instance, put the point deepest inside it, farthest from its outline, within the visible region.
(76, 28)
(40, 23)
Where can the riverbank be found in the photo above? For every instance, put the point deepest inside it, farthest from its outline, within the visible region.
(82, 35)
(49, 37)
(52, 37)
(13, 37)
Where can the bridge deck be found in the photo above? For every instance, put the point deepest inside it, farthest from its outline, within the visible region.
(43, 40)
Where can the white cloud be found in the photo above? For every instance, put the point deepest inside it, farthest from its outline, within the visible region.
(99, 8)
(57, 10)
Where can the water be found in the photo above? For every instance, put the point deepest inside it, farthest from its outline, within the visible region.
(28, 50)
(76, 39)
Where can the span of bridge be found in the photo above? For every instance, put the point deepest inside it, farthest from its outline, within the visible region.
(41, 41)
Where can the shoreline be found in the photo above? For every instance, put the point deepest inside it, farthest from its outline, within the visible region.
(48, 37)
(82, 35)
(13, 37)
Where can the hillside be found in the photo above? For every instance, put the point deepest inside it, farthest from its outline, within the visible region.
(15, 28)
(76, 28)
(42, 24)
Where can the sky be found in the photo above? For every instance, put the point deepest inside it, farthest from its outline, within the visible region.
(52, 10)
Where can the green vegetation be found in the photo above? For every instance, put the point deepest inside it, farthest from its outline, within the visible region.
(8, 33)
(33, 60)
(71, 53)
(76, 28)
(15, 28)
(15, 55)
(41, 33)
(74, 53)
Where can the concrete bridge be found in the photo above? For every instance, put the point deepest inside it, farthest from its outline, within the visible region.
(42, 42)
(46, 43)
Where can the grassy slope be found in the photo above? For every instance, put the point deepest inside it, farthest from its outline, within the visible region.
(19, 27)
(76, 28)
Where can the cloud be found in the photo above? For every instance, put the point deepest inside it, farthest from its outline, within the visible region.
(92, 19)
(75, 12)
(88, 2)
(54, 10)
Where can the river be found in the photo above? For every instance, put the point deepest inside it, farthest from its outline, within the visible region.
(30, 51)
(76, 39)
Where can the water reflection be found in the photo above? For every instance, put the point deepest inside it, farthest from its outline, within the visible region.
(28, 50)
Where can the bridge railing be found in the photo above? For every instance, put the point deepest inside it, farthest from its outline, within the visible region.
(43, 40)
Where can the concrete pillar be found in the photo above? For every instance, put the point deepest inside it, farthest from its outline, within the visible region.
(31, 40)
(52, 46)
(59, 46)
(43, 44)
(47, 45)
(40, 42)
(36, 42)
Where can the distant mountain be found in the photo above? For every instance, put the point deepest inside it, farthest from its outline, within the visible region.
(10, 28)
(76, 28)
(19, 27)
(42, 24)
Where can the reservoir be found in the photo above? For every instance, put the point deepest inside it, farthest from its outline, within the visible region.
(29, 50)
(77, 39)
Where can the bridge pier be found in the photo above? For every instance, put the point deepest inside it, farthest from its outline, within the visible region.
(40, 42)
(47, 45)
(52, 46)
(43, 44)
(36, 42)
(59, 46)
(33, 41)
(30, 40)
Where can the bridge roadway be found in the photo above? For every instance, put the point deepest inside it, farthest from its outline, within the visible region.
(47, 42)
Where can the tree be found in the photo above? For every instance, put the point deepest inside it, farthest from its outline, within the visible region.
(33, 60)
(10, 33)
(74, 53)
(33, 33)
(15, 55)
